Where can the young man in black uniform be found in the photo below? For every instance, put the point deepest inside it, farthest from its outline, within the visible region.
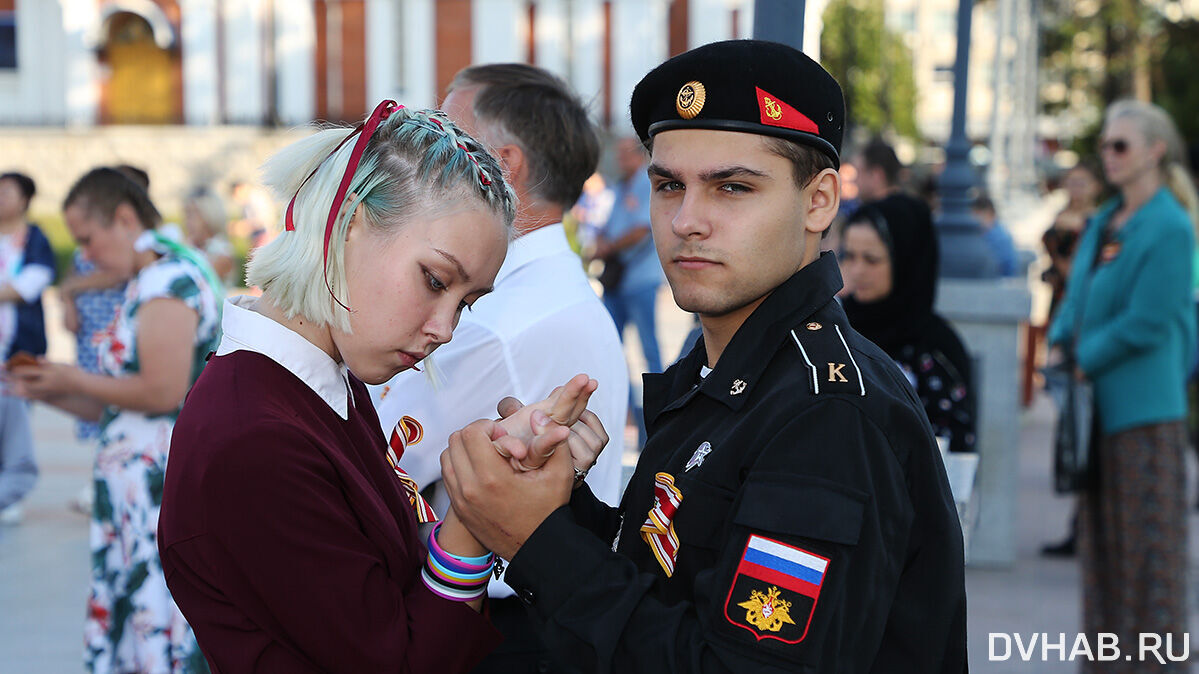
(790, 512)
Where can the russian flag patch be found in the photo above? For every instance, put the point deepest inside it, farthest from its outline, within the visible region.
(775, 590)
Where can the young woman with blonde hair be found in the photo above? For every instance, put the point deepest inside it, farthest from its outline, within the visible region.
(289, 533)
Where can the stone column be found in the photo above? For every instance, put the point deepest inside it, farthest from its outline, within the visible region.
(987, 314)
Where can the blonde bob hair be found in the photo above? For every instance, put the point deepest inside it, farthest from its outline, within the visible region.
(417, 163)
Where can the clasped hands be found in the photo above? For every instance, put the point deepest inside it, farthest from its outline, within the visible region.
(506, 476)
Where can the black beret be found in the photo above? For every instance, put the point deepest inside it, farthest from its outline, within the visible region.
(751, 86)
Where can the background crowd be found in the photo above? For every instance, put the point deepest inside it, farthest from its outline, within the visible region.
(140, 288)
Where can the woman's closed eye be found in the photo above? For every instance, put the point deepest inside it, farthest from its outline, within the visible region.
(435, 283)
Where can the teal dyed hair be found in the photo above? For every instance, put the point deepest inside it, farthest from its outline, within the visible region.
(416, 164)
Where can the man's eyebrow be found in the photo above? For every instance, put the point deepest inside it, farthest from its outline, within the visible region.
(457, 265)
(714, 175)
(661, 171)
(727, 172)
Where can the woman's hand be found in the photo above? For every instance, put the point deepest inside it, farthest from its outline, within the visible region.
(586, 440)
(502, 507)
(563, 407)
(1055, 356)
(454, 538)
(44, 381)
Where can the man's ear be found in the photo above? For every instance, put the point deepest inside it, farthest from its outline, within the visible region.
(824, 199)
(516, 165)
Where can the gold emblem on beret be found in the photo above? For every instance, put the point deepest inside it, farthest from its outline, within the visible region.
(690, 99)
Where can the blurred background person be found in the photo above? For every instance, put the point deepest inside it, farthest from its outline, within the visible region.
(878, 171)
(1129, 301)
(542, 323)
(998, 239)
(592, 209)
(1083, 186)
(626, 244)
(257, 210)
(26, 269)
(150, 355)
(632, 273)
(204, 222)
(890, 261)
(90, 299)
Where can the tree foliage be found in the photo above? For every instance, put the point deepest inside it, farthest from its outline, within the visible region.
(1095, 52)
(873, 65)
(1175, 87)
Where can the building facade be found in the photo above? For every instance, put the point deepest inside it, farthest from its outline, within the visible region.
(285, 62)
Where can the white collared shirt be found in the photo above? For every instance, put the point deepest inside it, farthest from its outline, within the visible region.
(247, 330)
(541, 325)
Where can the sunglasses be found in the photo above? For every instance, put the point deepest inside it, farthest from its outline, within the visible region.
(1119, 146)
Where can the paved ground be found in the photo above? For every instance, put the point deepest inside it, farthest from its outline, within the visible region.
(43, 561)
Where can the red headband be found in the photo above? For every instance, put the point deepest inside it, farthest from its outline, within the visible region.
(366, 130)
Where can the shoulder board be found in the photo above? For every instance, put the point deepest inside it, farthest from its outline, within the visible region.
(831, 366)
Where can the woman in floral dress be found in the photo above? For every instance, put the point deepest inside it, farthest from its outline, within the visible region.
(150, 355)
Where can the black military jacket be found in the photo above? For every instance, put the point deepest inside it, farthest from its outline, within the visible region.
(790, 513)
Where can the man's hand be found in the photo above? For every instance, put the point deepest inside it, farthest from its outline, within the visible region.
(499, 506)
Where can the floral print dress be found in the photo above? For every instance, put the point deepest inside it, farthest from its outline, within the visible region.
(944, 392)
(132, 622)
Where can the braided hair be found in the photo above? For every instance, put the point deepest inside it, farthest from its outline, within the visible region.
(416, 164)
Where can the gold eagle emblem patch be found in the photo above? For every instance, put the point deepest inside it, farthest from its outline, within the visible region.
(767, 612)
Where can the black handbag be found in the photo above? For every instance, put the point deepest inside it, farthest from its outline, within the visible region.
(1072, 442)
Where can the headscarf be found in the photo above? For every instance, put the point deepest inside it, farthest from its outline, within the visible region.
(904, 223)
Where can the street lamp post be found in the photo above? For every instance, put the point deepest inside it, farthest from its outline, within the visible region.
(779, 21)
(964, 254)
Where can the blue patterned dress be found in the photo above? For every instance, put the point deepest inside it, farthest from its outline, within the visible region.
(96, 309)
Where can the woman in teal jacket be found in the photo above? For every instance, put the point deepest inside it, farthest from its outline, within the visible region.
(1129, 299)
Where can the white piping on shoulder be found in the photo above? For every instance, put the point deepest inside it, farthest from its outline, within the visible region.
(804, 353)
(861, 382)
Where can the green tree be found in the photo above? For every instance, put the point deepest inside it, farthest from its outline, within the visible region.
(1173, 75)
(1095, 52)
(873, 65)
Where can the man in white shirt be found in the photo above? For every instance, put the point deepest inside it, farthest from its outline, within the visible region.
(542, 324)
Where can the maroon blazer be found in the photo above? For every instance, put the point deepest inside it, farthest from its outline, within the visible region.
(287, 540)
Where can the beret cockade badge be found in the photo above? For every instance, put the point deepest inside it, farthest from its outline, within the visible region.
(690, 99)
